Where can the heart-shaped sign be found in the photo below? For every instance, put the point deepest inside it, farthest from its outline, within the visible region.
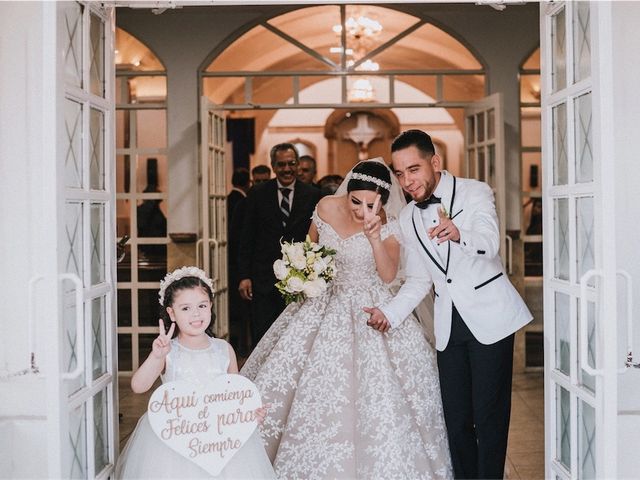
(209, 424)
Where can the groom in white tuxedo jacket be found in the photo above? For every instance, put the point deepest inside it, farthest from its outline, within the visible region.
(452, 242)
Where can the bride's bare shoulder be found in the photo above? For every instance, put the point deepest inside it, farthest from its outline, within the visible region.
(328, 203)
(328, 207)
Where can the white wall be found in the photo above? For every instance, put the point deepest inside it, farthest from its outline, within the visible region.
(624, 159)
(28, 209)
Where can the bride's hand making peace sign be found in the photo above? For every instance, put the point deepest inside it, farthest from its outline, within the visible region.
(162, 344)
(372, 221)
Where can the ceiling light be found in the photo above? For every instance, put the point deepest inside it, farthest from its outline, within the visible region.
(360, 27)
(348, 51)
(361, 91)
(368, 66)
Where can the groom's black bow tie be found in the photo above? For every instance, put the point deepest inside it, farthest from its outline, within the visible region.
(425, 203)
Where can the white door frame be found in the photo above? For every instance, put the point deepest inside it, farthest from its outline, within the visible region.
(484, 139)
(82, 390)
(581, 317)
(213, 210)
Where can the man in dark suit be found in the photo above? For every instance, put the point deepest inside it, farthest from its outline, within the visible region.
(307, 170)
(241, 184)
(260, 174)
(279, 209)
(238, 308)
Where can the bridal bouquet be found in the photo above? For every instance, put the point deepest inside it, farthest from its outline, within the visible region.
(304, 270)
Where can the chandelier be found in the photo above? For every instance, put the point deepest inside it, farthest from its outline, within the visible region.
(360, 33)
(362, 27)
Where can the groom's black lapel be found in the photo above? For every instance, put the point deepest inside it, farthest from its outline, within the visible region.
(415, 228)
(453, 197)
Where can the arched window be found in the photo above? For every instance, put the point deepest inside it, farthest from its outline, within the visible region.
(354, 57)
(531, 158)
(141, 194)
(530, 154)
(269, 65)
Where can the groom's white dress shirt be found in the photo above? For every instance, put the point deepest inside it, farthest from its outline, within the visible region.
(430, 216)
(468, 274)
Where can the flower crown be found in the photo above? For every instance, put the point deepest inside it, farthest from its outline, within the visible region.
(369, 178)
(179, 274)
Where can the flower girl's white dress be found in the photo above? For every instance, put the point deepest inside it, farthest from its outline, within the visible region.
(348, 401)
(146, 456)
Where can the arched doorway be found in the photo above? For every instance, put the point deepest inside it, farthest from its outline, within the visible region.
(141, 194)
(280, 64)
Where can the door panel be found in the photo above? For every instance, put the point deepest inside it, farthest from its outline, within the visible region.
(581, 317)
(84, 412)
(212, 244)
(484, 153)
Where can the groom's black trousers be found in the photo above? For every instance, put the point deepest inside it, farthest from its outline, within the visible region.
(475, 381)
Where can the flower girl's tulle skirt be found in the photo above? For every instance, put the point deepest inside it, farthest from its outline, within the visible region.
(146, 456)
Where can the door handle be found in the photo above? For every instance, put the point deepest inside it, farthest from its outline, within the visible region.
(76, 372)
(584, 342)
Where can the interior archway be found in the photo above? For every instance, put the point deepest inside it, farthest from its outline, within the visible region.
(142, 191)
(279, 64)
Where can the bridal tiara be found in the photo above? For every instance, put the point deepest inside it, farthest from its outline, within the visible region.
(369, 178)
(179, 274)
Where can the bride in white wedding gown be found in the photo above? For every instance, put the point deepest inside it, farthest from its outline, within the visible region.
(348, 401)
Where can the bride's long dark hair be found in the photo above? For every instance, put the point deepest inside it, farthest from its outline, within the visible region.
(373, 169)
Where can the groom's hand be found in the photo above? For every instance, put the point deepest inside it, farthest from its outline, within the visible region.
(446, 230)
(377, 319)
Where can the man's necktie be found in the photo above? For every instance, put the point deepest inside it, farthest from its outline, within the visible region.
(425, 203)
(285, 207)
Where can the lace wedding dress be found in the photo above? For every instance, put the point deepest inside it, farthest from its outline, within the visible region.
(347, 400)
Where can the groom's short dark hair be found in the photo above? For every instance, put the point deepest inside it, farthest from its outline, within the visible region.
(414, 138)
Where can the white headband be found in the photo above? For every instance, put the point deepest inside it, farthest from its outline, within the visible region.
(369, 178)
(179, 274)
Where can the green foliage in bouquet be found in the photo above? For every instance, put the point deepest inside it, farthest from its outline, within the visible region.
(304, 270)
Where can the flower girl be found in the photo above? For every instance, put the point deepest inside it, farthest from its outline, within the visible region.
(186, 296)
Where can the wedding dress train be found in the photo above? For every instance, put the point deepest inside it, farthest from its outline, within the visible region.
(349, 401)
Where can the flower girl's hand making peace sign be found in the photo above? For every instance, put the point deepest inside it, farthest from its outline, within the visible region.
(372, 221)
(162, 344)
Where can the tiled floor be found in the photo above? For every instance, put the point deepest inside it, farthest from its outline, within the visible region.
(525, 454)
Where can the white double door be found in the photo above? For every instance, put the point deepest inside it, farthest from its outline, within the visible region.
(592, 399)
(73, 299)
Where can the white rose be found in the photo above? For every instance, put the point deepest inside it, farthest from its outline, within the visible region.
(319, 265)
(314, 288)
(280, 269)
(299, 263)
(297, 250)
(294, 285)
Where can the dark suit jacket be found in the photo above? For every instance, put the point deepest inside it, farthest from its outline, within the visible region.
(262, 230)
(232, 200)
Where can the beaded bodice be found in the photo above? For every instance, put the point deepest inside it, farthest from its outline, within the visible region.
(196, 366)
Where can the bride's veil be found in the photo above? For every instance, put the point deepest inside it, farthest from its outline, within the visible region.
(395, 203)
